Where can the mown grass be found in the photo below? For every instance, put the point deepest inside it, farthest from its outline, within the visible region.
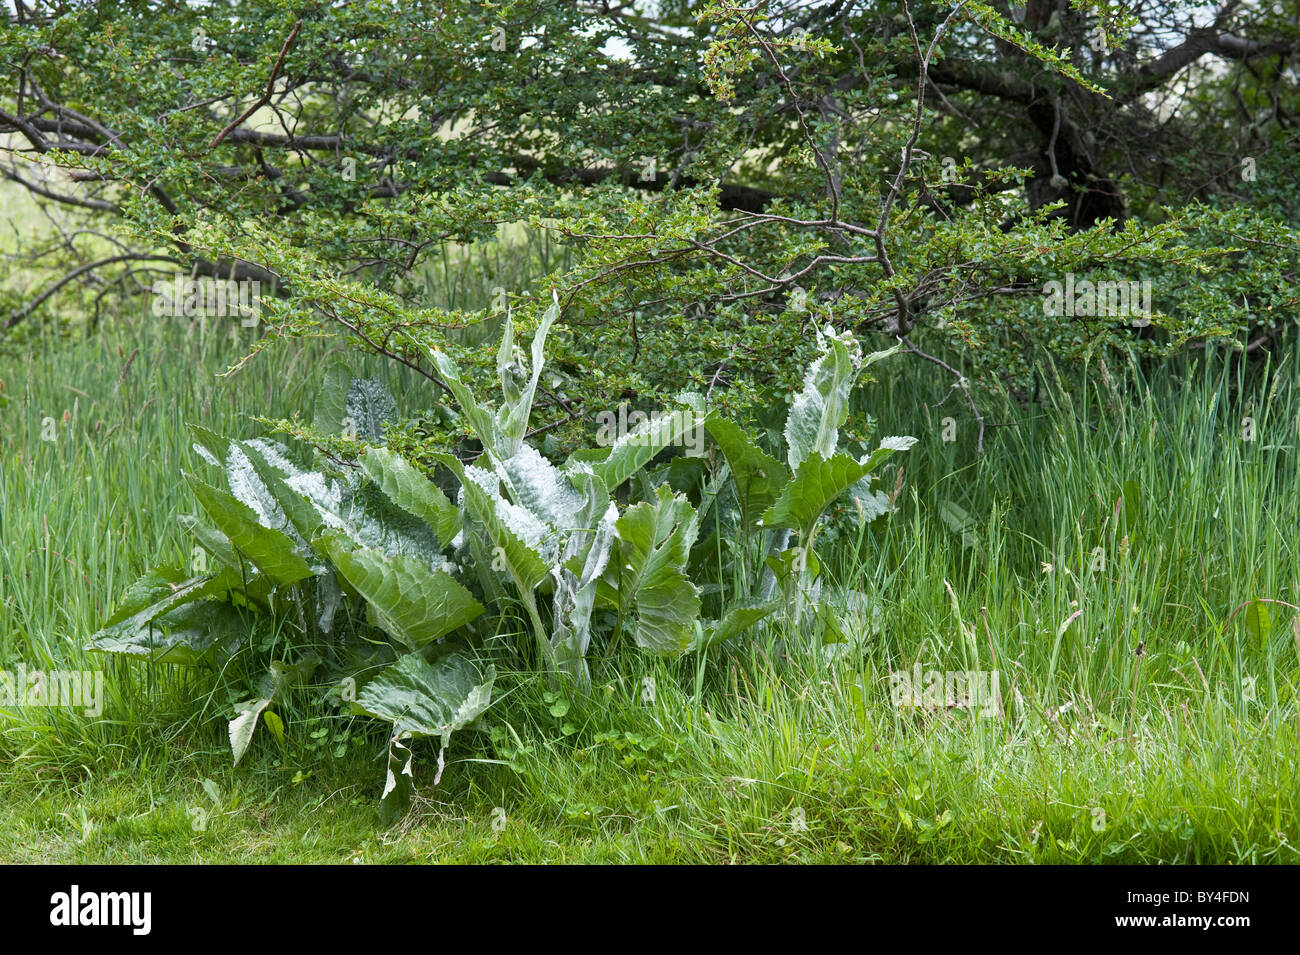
(1157, 520)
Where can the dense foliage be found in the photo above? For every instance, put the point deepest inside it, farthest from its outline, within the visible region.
(727, 211)
(727, 177)
(311, 547)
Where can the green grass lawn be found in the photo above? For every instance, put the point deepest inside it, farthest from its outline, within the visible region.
(1094, 556)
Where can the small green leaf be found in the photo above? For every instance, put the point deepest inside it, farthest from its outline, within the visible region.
(818, 411)
(275, 725)
(1258, 622)
(796, 563)
(399, 784)
(245, 722)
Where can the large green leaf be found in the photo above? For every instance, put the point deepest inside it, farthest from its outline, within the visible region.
(428, 699)
(423, 699)
(270, 550)
(413, 605)
(758, 476)
(793, 564)
(737, 620)
(817, 482)
(370, 519)
(888, 446)
(283, 480)
(369, 405)
(638, 447)
(412, 491)
(594, 496)
(479, 418)
(332, 398)
(502, 435)
(876, 356)
(157, 585)
(312, 503)
(818, 411)
(247, 487)
(654, 544)
(163, 589)
(869, 502)
(512, 418)
(199, 633)
(541, 488)
(209, 446)
(214, 542)
(575, 595)
(316, 503)
(504, 526)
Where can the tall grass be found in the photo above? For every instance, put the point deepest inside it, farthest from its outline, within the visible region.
(1094, 555)
(93, 443)
(1143, 512)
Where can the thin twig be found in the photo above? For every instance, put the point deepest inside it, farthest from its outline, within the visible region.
(265, 97)
(961, 383)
